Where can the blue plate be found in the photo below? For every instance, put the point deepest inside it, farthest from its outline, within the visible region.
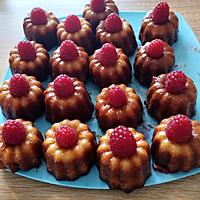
(187, 52)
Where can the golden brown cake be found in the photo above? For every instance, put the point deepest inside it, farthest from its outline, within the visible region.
(71, 60)
(69, 149)
(30, 58)
(20, 145)
(22, 97)
(41, 26)
(118, 105)
(123, 159)
(67, 98)
(109, 65)
(176, 145)
(98, 10)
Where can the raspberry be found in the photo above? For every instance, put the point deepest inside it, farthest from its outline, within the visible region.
(160, 14)
(66, 137)
(175, 82)
(18, 86)
(107, 55)
(97, 5)
(13, 132)
(38, 16)
(122, 142)
(72, 24)
(116, 96)
(179, 129)
(26, 51)
(68, 50)
(113, 23)
(155, 48)
(63, 86)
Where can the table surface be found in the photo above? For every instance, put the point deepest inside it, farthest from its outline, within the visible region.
(12, 186)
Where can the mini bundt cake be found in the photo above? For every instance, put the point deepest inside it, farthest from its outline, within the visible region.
(22, 97)
(171, 94)
(123, 158)
(152, 59)
(109, 65)
(30, 58)
(118, 32)
(98, 10)
(20, 145)
(176, 144)
(118, 105)
(69, 149)
(67, 98)
(71, 60)
(78, 30)
(160, 23)
(41, 27)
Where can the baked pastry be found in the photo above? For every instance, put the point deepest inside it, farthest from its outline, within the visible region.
(118, 105)
(22, 97)
(69, 149)
(98, 10)
(109, 65)
(159, 23)
(41, 26)
(152, 59)
(71, 60)
(78, 30)
(123, 159)
(30, 58)
(171, 94)
(176, 144)
(118, 32)
(63, 98)
(20, 145)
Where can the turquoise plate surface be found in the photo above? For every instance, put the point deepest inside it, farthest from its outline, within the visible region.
(187, 52)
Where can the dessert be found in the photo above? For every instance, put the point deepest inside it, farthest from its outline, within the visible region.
(118, 32)
(20, 145)
(171, 94)
(63, 99)
(22, 97)
(118, 105)
(98, 10)
(78, 30)
(152, 59)
(71, 60)
(109, 65)
(41, 26)
(30, 58)
(69, 149)
(123, 158)
(159, 23)
(176, 144)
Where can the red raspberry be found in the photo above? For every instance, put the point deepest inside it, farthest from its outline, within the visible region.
(66, 137)
(68, 51)
(13, 132)
(155, 48)
(160, 14)
(113, 23)
(26, 51)
(107, 55)
(72, 24)
(18, 86)
(38, 16)
(116, 96)
(179, 129)
(122, 142)
(97, 5)
(63, 86)
(175, 82)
